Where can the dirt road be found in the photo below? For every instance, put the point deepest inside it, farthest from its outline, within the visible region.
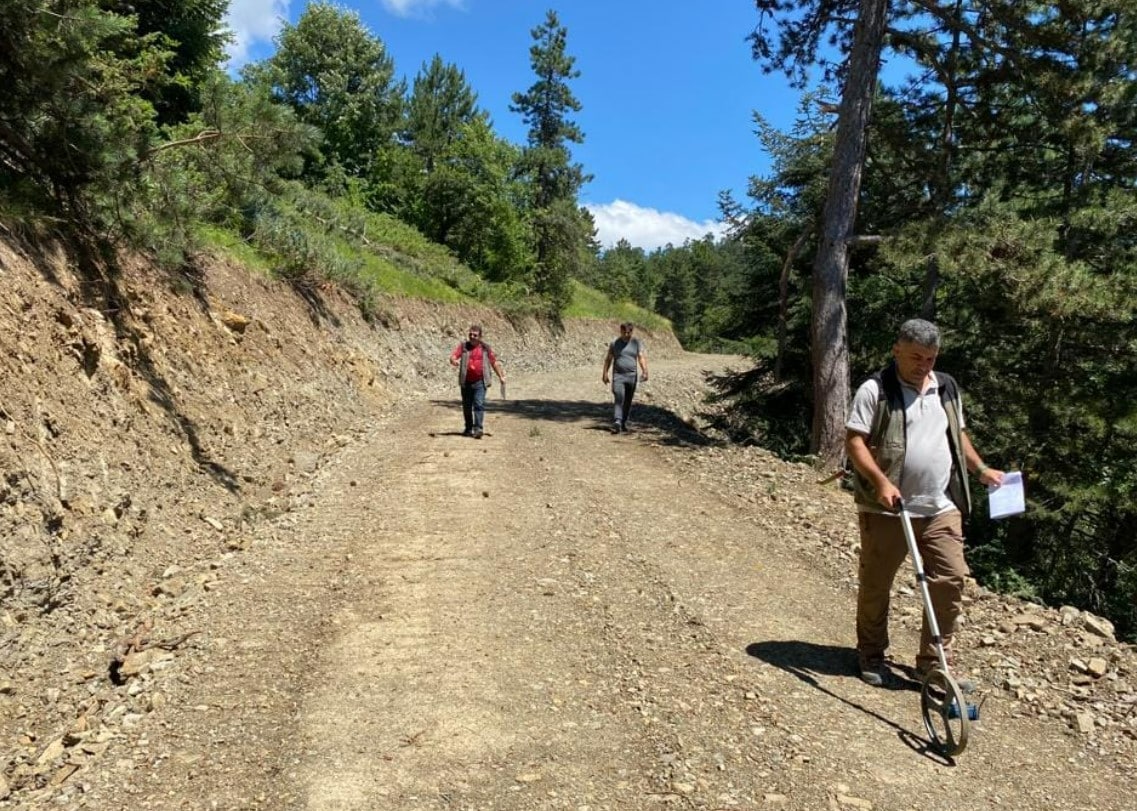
(555, 617)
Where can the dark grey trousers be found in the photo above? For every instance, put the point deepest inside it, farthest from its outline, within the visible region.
(623, 390)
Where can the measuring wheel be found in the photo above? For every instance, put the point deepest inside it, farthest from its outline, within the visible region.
(945, 713)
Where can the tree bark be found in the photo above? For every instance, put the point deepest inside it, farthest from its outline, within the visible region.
(830, 348)
(943, 189)
(931, 285)
(784, 304)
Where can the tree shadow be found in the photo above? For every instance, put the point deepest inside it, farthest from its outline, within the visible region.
(31, 248)
(658, 424)
(808, 660)
(101, 289)
(753, 407)
(309, 292)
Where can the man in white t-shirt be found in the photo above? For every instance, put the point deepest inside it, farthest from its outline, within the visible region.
(906, 438)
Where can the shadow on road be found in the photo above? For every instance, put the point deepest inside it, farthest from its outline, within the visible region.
(660, 424)
(808, 660)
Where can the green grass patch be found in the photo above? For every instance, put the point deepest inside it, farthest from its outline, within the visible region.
(307, 234)
(383, 276)
(589, 303)
(232, 245)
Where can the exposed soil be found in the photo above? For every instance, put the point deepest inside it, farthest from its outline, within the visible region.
(249, 562)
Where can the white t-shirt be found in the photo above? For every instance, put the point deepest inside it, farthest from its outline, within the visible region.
(927, 454)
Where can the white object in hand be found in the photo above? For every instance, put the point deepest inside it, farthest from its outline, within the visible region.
(1007, 498)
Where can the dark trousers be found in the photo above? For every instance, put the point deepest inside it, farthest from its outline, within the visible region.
(474, 404)
(623, 390)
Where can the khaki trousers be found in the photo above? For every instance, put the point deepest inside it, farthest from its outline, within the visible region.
(883, 549)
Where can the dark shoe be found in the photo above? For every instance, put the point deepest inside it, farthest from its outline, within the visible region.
(468, 432)
(624, 428)
(873, 671)
(477, 433)
(965, 684)
(615, 429)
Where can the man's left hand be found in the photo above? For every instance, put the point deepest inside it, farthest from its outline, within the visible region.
(990, 476)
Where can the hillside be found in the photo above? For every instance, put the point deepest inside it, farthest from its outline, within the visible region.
(249, 564)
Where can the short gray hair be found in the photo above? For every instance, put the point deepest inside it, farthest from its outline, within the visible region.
(919, 331)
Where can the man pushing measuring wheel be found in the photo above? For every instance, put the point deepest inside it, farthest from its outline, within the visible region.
(908, 442)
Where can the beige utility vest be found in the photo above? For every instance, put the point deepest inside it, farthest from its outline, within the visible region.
(888, 442)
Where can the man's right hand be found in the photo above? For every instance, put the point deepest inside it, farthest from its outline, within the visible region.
(888, 495)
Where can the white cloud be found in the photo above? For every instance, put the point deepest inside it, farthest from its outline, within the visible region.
(252, 21)
(417, 8)
(647, 228)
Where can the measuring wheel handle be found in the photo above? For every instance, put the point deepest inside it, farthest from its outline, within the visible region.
(941, 698)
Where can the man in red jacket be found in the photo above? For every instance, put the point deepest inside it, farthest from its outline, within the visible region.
(474, 360)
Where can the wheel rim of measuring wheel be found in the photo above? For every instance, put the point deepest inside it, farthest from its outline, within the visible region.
(947, 727)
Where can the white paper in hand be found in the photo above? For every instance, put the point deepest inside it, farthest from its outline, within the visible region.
(1007, 498)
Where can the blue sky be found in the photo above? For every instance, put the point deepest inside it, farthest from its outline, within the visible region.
(668, 90)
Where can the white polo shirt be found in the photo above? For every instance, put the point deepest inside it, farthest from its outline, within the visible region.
(927, 453)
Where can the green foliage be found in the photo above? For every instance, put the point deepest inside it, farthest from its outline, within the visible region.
(545, 108)
(191, 31)
(73, 122)
(232, 244)
(468, 203)
(676, 293)
(343, 233)
(700, 287)
(441, 106)
(562, 233)
(1065, 109)
(587, 302)
(799, 29)
(999, 181)
(794, 192)
(763, 410)
(284, 244)
(621, 274)
(563, 238)
(393, 185)
(219, 167)
(768, 293)
(1054, 326)
(339, 78)
(310, 239)
(114, 115)
(998, 571)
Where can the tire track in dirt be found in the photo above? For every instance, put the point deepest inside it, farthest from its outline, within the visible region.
(450, 682)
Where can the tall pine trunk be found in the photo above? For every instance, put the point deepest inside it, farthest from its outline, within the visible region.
(831, 266)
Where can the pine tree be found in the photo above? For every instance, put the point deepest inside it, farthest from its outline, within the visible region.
(192, 31)
(74, 123)
(562, 231)
(441, 104)
(830, 347)
(545, 107)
